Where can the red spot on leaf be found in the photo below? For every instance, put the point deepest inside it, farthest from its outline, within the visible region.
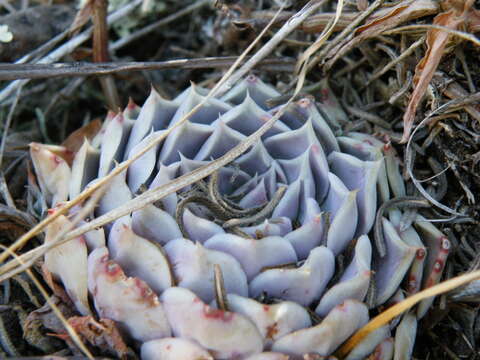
(217, 314)
(146, 293)
(420, 254)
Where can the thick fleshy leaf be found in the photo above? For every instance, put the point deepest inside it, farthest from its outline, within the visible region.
(331, 108)
(186, 140)
(173, 349)
(193, 266)
(200, 229)
(299, 167)
(94, 238)
(371, 149)
(155, 224)
(438, 247)
(273, 227)
(341, 204)
(354, 282)
(128, 301)
(114, 143)
(311, 210)
(255, 88)
(139, 257)
(206, 114)
(384, 350)
(255, 161)
(368, 345)
(222, 140)
(289, 205)
(391, 269)
(248, 117)
(308, 236)
(415, 274)
(273, 321)
(116, 194)
(306, 106)
(256, 197)
(155, 115)
(325, 337)
(53, 172)
(362, 176)
(224, 334)
(303, 285)
(392, 164)
(164, 175)
(140, 171)
(84, 168)
(405, 337)
(68, 262)
(254, 254)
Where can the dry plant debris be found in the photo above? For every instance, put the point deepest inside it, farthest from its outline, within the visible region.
(388, 62)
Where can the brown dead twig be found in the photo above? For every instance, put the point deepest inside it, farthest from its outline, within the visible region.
(43, 71)
(100, 51)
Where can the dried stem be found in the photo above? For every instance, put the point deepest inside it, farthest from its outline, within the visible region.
(43, 71)
(100, 51)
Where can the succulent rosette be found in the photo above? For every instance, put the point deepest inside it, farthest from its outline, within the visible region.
(267, 258)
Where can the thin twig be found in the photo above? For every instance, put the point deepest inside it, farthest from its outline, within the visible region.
(394, 62)
(100, 51)
(43, 71)
(220, 293)
(461, 34)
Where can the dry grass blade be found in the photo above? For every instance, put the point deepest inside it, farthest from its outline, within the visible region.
(305, 57)
(436, 42)
(402, 12)
(396, 310)
(346, 32)
(124, 165)
(71, 331)
(394, 62)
